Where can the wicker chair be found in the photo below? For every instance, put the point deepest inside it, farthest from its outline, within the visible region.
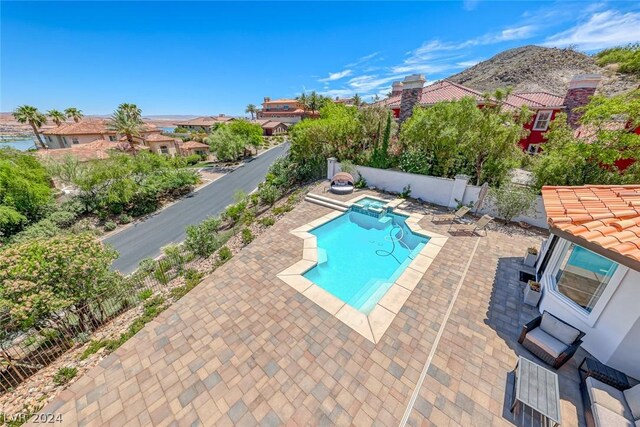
(551, 339)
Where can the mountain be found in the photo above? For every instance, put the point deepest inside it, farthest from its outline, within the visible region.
(536, 68)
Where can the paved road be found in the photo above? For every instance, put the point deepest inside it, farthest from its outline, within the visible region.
(144, 239)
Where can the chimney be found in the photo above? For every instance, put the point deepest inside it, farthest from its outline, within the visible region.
(411, 93)
(581, 88)
(267, 99)
(396, 88)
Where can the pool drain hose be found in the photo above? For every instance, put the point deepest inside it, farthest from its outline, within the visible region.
(382, 252)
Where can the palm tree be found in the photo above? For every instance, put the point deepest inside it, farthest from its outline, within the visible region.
(31, 115)
(251, 109)
(57, 116)
(314, 102)
(304, 100)
(123, 123)
(357, 101)
(74, 113)
(131, 110)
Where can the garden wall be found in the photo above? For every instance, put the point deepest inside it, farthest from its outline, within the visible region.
(439, 191)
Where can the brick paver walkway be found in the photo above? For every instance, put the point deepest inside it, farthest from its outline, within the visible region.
(244, 348)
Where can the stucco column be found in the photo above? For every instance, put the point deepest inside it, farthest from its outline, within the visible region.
(457, 192)
(331, 167)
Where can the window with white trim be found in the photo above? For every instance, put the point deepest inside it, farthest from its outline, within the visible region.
(164, 149)
(543, 118)
(583, 276)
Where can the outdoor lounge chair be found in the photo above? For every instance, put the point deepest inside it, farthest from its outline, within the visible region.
(551, 339)
(342, 183)
(607, 396)
(452, 216)
(479, 225)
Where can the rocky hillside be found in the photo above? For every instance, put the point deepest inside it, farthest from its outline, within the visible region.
(535, 68)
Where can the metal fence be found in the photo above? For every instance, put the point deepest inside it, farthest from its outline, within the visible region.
(24, 353)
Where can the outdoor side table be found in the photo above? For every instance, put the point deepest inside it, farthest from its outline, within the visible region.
(537, 388)
(603, 373)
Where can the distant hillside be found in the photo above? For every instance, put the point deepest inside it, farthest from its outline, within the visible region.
(535, 68)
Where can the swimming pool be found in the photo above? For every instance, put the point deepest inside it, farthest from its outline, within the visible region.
(370, 202)
(361, 256)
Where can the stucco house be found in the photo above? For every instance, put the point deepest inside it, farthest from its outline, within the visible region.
(204, 123)
(189, 148)
(282, 110)
(406, 94)
(85, 131)
(589, 268)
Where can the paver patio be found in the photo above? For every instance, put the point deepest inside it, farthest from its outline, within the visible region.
(245, 348)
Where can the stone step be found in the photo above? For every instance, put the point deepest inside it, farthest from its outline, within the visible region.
(325, 204)
(327, 200)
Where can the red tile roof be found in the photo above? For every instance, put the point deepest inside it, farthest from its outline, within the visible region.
(445, 90)
(84, 127)
(604, 215)
(193, 144)
(98, 149)
(158, 137)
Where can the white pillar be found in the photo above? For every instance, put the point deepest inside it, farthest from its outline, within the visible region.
(331, 167)
(457, 192)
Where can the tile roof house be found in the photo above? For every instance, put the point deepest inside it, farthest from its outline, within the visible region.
(544, 105)
(204, 123)
(589, 268)
(91, 139)
(283, 110)
(193, 147)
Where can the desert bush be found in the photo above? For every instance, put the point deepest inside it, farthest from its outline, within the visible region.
(510, 200)
(247, 236)
(268, 194)
(224, 254)
(64, 375)
(110, 226)
(203, 239)
(124, 219)
(268, 221)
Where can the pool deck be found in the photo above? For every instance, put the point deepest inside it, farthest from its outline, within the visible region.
(245, 348)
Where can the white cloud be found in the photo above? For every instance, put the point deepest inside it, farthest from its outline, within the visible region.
(370, 83)
(364, 59)
(336, 76)
(341, 93)
(468, 63)
(601, 30)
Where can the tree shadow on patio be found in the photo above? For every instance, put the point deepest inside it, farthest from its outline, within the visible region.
(506, 315)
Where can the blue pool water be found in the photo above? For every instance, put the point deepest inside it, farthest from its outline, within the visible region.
(360, 256)
(369, 202)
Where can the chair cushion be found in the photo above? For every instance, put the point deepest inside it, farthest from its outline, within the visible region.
(558, 329)
(604, 417)
(632, 397)
(546, 342)
(608, 397)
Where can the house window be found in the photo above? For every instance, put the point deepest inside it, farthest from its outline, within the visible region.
(164, 149)
(112, 138)
(583, 276)
(75, 141)
(64, 140)
(533, 148)
(542, 120)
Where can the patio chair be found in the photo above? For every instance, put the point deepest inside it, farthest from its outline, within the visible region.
(551, 339)
(452, 216)
(479, 225)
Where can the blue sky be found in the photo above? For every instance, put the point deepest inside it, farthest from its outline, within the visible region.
(210, 58)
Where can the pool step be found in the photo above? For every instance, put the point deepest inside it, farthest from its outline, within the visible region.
(326, 202)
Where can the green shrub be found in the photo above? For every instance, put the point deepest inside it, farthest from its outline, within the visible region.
(62, 219)
(203, 239)
(64, 375)
(224, 254)
(279, 210)
(147, 266)
(406, 192)
(161, 271)
(361, 182)
(192, 277)
(40, 230)
(268, 194)
(248, 217)
(82, 226)
(193, 159)
(268, 221)
(234, 212)
(145, 294)
(247, 236)
(627, 58)
(92, 348)
(173, 254)
(124, 219)
(510, 200)
(110, 226)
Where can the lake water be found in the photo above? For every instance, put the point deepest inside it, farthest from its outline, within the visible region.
(169, 129)
(18, 144)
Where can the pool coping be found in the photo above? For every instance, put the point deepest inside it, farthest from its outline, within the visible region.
(374, 325)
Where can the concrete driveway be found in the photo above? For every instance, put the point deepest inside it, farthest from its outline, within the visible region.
(144, 239)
